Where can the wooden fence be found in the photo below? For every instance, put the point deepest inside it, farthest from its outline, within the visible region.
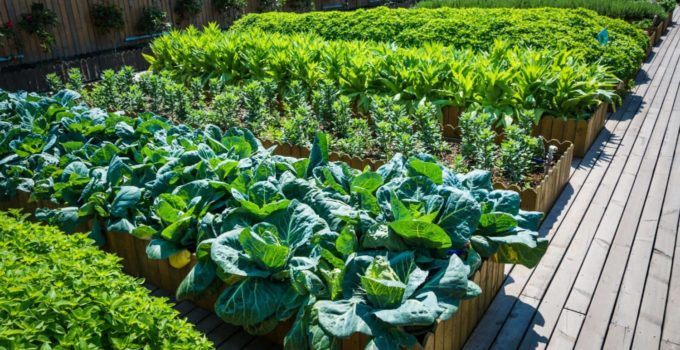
(76, 34)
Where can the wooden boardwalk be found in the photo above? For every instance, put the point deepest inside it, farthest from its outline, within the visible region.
(611, 275)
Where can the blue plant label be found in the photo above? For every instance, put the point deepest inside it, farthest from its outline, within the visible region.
(603, 36)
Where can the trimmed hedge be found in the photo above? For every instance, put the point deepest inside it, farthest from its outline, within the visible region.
(575, 29)
(627, 10)
(60, 290)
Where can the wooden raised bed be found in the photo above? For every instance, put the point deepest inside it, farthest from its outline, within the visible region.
(288, 150)
(542, 197)
(450, 334)
(581, 133)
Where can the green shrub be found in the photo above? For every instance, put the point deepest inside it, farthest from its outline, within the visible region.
(60, 291)
(475, 28)
(627, 10)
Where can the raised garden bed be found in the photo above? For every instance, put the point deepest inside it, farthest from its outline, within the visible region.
(542, 197)
(581, 133)
(539, 198)
(132, 250)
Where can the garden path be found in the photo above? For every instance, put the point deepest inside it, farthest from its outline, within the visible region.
(611, 275)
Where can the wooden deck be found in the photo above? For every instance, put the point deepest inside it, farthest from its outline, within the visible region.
(223, 335)
(611, 276)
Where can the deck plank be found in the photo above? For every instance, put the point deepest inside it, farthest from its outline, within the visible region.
(616, 192)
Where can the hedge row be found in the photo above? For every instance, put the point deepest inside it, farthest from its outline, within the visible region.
(60, 291)
(575, 29)
(627, 10)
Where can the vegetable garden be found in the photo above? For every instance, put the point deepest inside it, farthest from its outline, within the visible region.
(334, 180)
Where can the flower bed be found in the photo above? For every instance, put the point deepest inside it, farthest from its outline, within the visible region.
(280, 239)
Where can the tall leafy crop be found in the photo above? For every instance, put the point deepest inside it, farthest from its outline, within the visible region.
(340, 250)
(503, 77)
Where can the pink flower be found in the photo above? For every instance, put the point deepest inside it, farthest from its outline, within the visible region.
(29, 18)
(9, 24)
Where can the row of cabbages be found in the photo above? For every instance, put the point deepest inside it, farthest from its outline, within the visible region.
(385, 253)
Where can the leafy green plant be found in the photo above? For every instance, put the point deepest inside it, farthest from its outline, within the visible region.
(54, 83)
(628, 10)
(40, 21)
(478, 139)
(517, 153)
(72, 294)
(153, 20)
(107, 17)
(307, 238)
(505, 78)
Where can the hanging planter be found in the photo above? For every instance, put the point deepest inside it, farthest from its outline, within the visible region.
(40, 21)
(186, 9)
(107, 18)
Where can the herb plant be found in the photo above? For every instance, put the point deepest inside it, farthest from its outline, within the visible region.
(475, 28)
(72, 294)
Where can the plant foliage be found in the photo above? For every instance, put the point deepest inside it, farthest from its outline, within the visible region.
(60, 291)
(385, 253)
(506, 78)
(476, 28)
(107, 17)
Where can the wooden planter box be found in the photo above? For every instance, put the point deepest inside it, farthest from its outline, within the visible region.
(542, 197)
(581, 133)
(288, 150)
(450, 334)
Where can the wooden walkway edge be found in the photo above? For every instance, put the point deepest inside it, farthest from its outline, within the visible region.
(611, 276)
